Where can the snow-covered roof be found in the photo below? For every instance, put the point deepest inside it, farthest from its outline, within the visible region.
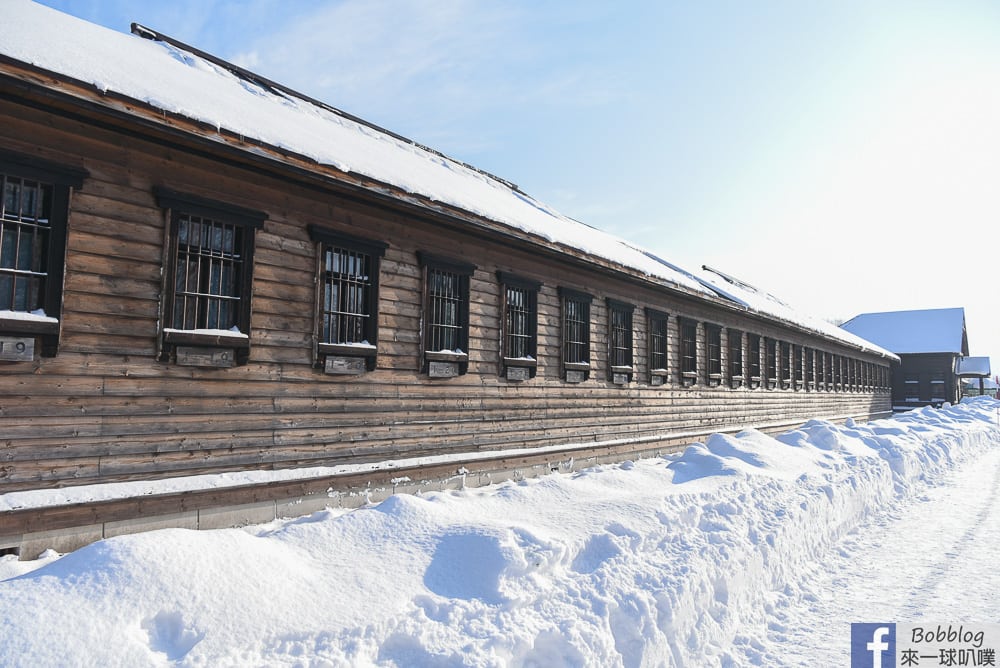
(185, 82)
(906, 332)
(973, 366)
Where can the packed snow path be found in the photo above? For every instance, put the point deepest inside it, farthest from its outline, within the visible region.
(932, 559)
(745, 550)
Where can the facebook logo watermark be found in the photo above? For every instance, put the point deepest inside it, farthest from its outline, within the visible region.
(873, 645)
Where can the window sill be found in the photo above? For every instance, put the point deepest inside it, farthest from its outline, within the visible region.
(663, 373)
(206, 338)
(445, 356)
(342, 350)
(520, 362)
(622, 369)
(29, 324)
(576, 366)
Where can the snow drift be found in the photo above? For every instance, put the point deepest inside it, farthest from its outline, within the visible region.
(665, 561)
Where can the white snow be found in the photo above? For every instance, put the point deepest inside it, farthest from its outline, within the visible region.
(38, 315)
(940, 330)
(742, 550)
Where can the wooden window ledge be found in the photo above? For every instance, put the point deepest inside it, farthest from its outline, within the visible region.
(347, 350)
(445, 356)
(526, 362)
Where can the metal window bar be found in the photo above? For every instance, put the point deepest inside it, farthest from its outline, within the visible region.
(444, 303)
(772, 359)
(786, 361)
(24, 237)
(810, 365)
(347, 284)
(658, 343)
(209, 272)
(689, 347)
(576, 326)
(621, 337)
(518, 323)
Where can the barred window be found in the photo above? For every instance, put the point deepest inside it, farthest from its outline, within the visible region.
(25, 211)
(620, 341)
(772, 359)
(735, 338)
(446, 313)
(34, 209)
(620, 334)
(208, 282)
(209, 275)
(657, 340)
(348, 295)
(753, 345)
(810, 366)
(689, 348)
(576, 327)
(786, 362)
(713, 351)
(519, 325)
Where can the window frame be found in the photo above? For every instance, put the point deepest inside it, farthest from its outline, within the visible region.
(658, 336)
(754, 343)
(735, 364)
(713, 354)
(511, 366)
(575, 370)
(621, 342)
(342, 357)
(772, 367)
(63, 180)
(189, 346)
(445, 363)
(688, 351)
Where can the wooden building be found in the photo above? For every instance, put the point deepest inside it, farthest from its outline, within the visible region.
(931, 345)
(222, 301)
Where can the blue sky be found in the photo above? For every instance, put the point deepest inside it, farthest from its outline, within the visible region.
(843, 155)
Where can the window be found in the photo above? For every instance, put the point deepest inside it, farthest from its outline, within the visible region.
(810, 368)
(911, 387)
(209, 278)
(735, 339)
(347, 319)
(657, 346)
(938, 391)
(772, 362)
(519, 326)
(753, 361)
(713, 353)
(34, 209)
(689, 351)
(786, 365)
(446, 316)
(797, 367)
(620, 342)
(576, 334)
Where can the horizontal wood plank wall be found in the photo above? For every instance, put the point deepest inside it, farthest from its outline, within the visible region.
(104, 409)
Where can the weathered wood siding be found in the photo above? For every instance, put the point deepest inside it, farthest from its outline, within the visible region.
(104, 409)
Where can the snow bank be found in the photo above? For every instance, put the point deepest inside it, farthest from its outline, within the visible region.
(665, 561)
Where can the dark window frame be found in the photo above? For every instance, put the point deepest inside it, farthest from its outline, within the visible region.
(49, 260)
(436, 321)
(771, 366)
(181, 206)
(658, 345)
(330, 244)
(688, 351)
(575, 331)
(518, 323)
(785, 362)
(735, 363)
(754, 342)
(713, 354)
(621, 340)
